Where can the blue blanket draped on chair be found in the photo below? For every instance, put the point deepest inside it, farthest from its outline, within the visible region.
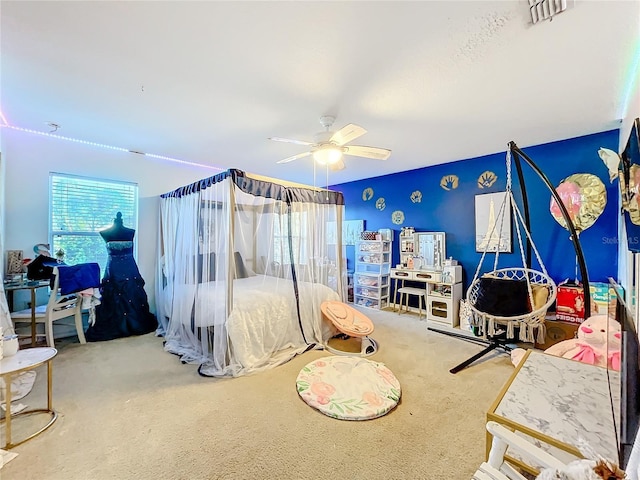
(75, 278)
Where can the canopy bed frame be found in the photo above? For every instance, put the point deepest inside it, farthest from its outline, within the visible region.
(244, 265)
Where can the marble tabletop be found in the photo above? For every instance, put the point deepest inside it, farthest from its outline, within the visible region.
(25, 359)
(566, 400)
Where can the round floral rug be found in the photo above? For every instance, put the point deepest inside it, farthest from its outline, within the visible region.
(348, 388)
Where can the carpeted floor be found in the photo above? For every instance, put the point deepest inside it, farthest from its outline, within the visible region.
(128, 410)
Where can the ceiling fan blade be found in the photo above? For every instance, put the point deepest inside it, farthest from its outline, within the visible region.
(294, 157)
(347, 133)
(368, 152)
(288, 140)
(339, 165)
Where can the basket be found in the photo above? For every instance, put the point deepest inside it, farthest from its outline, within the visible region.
(366, 235)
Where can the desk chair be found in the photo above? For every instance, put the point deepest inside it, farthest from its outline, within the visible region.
(496, 468)
(57, 308)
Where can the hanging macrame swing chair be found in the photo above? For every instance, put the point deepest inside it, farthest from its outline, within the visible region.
(504, 299)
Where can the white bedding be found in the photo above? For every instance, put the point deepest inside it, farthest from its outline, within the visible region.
(263, 329)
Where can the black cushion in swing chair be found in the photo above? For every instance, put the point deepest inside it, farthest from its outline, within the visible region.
(502, 297)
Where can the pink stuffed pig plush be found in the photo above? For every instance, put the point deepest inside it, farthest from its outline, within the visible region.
(598, 343)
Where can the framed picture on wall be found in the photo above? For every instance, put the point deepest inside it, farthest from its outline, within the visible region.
(493, 223)
(351, 230)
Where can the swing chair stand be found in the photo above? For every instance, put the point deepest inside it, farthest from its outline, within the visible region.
(490, 344)
(500, 340)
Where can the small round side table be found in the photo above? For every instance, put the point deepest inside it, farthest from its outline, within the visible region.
(22, 361)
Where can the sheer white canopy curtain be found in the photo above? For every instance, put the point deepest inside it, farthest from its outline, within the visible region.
(245, 263)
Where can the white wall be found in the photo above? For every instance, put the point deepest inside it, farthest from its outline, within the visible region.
(28, 159)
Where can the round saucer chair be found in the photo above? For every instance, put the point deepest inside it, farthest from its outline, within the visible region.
(354, 328)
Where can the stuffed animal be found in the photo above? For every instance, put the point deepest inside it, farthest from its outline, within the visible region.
(598, 343)
(583, 470)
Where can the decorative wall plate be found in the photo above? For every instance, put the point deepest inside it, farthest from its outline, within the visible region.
(416, 197)
(486, 179)
(367, 194)
(449, 182)
(380, 204)
(397, 217)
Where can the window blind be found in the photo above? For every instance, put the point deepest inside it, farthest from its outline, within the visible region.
(79, 207)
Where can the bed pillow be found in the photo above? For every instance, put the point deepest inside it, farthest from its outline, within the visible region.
(242, 271)
(502, 297)
(540, 295)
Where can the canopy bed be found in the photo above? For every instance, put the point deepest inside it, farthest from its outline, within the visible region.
(244, 265)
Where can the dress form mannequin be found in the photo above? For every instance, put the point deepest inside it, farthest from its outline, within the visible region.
(117, 232)
(124, 310)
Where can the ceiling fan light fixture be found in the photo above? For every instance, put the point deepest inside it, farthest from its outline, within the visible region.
(328, 155)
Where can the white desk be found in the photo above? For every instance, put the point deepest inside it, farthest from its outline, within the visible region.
(443, 298)
(22, 361)
(559, 401)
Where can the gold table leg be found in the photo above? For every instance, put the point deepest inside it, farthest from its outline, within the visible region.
(7, 411)
(54, 415)
(33, 317)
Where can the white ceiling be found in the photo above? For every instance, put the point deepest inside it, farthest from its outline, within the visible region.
(209, 82)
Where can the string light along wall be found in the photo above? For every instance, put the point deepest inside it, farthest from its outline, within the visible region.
(5, 124)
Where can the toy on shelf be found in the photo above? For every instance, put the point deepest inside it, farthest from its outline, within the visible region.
(598, 343)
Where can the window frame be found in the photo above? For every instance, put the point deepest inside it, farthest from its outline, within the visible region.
(52, 234)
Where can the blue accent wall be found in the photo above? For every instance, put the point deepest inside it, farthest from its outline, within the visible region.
(453, 211)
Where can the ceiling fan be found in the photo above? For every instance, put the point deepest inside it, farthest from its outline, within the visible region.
(329, 147)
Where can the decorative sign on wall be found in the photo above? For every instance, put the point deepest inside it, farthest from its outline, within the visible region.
(486, 179)
(14, 262)
(493, 223)
(416, 197)
(367, 194)
(351, 230)
(397, 217)
(449, 182)
(380, 204)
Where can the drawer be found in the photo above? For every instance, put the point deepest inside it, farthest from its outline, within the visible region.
(418, 275)
(371, 248)
(372, 292)
(364, 280)
(370, 302)
(402, 274)
(428, 276)
(372, 268)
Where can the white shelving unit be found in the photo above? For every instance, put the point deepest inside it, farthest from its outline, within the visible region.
(371, 276)
(408, 247)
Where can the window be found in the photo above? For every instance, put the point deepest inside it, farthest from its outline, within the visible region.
(80, 207)
(299, 228)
